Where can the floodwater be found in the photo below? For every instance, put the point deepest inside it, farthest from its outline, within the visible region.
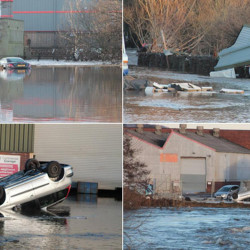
(187, 107)
(61, 94)
(187, 228)
(81, 222)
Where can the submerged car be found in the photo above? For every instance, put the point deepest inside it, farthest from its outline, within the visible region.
(226, 192)
(45, 183)
(14, 63)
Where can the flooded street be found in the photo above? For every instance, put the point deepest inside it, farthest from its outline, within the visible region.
(61, 94)
(84, 222)
(187, 107)
(187, 228)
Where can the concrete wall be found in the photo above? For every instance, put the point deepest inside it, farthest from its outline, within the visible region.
(11, 37)
(232, 167)
(94, 151)
(167, 172)
(219, 166)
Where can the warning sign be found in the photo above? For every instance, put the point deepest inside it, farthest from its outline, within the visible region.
(9, 164)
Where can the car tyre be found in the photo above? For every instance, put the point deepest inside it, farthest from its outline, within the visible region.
(32, 164)
(235, 196)
(2, 195)
(54, 169)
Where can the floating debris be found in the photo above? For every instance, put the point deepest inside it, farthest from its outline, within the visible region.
(175, 87)
(232, 91)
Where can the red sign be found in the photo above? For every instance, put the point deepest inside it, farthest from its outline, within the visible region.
(7, 169)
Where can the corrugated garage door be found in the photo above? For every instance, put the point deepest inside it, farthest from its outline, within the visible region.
(193, 175)
(94, 151)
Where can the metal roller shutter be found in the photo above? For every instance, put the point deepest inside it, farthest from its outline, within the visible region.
(193, 175)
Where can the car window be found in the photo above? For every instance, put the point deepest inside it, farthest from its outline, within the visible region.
(224, 189)
(15, 60)
(234, 188)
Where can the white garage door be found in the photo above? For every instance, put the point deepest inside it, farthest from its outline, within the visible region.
(94, 151)
(193, 175)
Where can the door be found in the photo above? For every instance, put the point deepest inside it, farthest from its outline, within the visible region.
(193, 175)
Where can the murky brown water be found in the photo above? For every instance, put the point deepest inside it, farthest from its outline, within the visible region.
(89, 223)
(64, 94)
(187, 107)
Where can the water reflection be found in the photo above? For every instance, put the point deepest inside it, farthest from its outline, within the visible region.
(84, 225)
(82, 94)
(14, 74)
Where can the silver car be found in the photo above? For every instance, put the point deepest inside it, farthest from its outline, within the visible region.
(39, 181)
(226, 192)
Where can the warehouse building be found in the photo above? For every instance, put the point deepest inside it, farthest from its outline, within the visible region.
(94, 151)
(42, 21)
(186, 161)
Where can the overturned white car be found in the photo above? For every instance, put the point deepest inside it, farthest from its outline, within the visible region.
(45, 183)
(244, 192)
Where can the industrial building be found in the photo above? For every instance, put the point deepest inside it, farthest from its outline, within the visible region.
(184, 161)
(11, 37)
(94, 151)
(42, 22)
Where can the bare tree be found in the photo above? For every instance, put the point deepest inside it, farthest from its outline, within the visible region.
(148, 19)
(193, 26)
(135, 173)
(95, 28)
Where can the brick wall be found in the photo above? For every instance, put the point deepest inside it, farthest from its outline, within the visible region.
(240, 137)
(24, 157)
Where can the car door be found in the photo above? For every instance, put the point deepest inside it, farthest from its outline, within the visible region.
(21, 192)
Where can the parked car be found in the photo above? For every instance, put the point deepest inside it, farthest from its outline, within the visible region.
(46, 183)
(226, 192)
(14, 63)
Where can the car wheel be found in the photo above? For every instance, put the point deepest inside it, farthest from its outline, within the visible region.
(32, 164)
(2, 195)
(54, 169)
(1, 192)
(235, 196)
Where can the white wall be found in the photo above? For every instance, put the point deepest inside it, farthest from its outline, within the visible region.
(94, 151)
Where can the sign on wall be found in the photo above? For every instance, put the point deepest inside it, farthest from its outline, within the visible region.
(169, 158)
(9, 164)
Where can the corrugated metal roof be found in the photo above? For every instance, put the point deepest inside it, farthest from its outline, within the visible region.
(158, 140)
(219, 144)
(238, 54)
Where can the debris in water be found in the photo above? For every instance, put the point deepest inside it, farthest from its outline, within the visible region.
(232, 91)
